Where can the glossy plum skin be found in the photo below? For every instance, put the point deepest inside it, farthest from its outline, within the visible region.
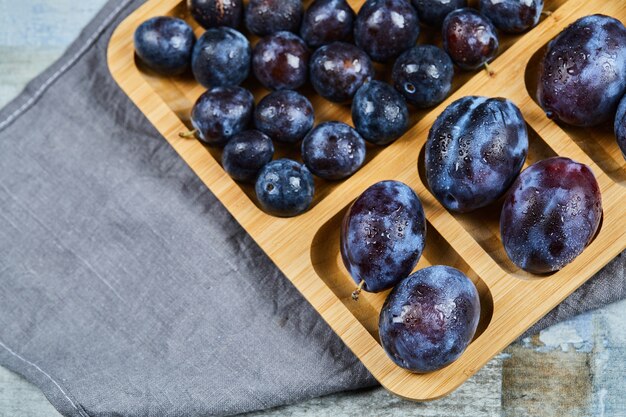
(429, 319)
(327, 21)
(423, 75)
(245, 154)
(285, 188)
(620, 126)
(512, 16)
(338, 70)
(552, 213)
(221, 58)
(475, 150)
(386, 28)
(432, 12)
(165, 44)
(333, 151)
(469, 38)
(285, 116)
(216, 13)
(221, 113)
(583, 75)
(383, 235)
(280, 61)
(264, 17)
(379, 113)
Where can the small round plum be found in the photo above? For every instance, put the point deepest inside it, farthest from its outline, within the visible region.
(222, 112)
(165, 44)
(333, 151)
(338, 70)
(327, 21)
(285, 188)
(216, 13)
(433, 12)
(221, 58)
(280, 61)
(469, 38)
(423, 75)
(379, 113)
(245, 154)
(386, 28)
(620, 126)
(265, 17)
(429, 319)
(285, 116)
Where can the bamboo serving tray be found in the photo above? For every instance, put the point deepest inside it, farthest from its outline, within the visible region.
(306, 248)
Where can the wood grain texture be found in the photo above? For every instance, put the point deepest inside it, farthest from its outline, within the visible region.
(305, 248)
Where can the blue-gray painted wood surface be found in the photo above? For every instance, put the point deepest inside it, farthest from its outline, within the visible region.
(573, 369)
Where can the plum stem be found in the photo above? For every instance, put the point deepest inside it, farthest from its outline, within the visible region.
(357, 292)
(189, 134)
(489, 70)
(546, 13)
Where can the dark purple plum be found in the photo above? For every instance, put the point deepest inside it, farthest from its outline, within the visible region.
(221, 113)
(383, 235)
(512, 16)
(285, 116)
(338, 70)
(280, 61)
(475, 150)
(216, 13)
(379, 113)
(423, 75)
(333, 151)
(386, 28)
(469, 38)
(620, 126)
(433, 12)
(429, 319)
(285, 188)
(583, 75)
(551, 214)
(165, 44)
(221, 58)
(327, 21)
(264, 17)
(246, 153)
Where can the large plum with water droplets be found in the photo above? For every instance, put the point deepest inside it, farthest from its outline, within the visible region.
(475, 150)
(551, 214)
(583, 74)
(429, 319)
(383, 235)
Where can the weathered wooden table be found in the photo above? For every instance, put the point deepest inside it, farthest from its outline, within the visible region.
(576, 368)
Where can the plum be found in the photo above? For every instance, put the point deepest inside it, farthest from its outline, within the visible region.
(582, 77)
(221, 113)
(620, 126)
(469, 38)
(429, 319)
(280, 61)
(433, 12)
(338, 70)
(216, 13)
(383, 235)
(551, 214)
(265, 17)
(512, 16)
(221, 58)
(386, 28)
(286, 116)
(285, 188)
(333, 151)
(327, 21)
(423, 75)
(379, 113)
(165, 44)
(475, 150)
(245, 154)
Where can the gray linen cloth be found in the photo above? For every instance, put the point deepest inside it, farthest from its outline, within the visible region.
(126, 289)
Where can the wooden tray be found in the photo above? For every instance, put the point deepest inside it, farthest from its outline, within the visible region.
(306, 248)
